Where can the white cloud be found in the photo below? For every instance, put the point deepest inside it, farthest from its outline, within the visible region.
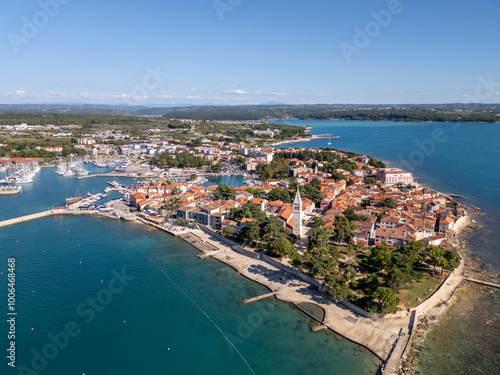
(237, 92)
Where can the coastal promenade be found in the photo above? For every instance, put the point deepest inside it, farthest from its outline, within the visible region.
(55, 212)
(378, 335)
(385, 336)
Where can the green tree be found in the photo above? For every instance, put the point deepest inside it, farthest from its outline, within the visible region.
(337, 176)
(322, 260)
(319, 237)
(387, 300)
(217, 167)
(350, 252)
(280, 248)
(437, 257)
(389, 203)
(370, 180)
(318, 222)
(381, 256)
(339, 288)
(224, 192)
(172, 205)
(344, 230)
(279, 194)
(273, 228)
(228, 231)
(453, 259)
(251, 232)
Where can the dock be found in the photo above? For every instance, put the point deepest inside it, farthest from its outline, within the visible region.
(493, 285)
(115, 174)
(253, 299)
(23, 219)
(10, 192)
(318, 328)
(210, 253)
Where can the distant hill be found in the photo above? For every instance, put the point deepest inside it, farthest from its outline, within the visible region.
(456, 112)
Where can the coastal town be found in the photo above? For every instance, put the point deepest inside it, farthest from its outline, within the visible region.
(368, 243)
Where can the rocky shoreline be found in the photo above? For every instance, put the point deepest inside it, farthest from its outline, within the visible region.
(462, 302)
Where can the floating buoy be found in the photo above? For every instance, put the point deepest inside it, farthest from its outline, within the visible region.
(80, 262)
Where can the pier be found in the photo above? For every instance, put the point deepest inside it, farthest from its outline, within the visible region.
(318, 328)
(248, 300)
(23, 219)
(116, 174)
(206, 255)
(493, 285)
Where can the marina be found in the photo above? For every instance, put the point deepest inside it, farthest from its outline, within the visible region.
(20, 172)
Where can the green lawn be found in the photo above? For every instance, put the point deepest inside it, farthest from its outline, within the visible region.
(419, 290)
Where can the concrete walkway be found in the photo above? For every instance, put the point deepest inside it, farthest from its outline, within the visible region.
(23, 219)
(377, 335)
(493, 285)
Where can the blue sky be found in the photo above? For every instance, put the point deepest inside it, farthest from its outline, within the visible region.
(249, 51)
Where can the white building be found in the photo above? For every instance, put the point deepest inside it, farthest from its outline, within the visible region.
(297, 215)
(393, 176)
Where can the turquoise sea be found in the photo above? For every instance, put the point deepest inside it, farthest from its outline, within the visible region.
(461, 159)
(100, 297)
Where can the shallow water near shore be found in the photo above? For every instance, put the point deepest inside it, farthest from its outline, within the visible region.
(474, 317)
(466, 162)
(168, 319)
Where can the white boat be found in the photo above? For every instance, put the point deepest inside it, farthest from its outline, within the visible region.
(25, 180)
(21, 172)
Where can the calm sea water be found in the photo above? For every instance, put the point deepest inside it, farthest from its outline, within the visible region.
(165, 318)
(461, 159)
